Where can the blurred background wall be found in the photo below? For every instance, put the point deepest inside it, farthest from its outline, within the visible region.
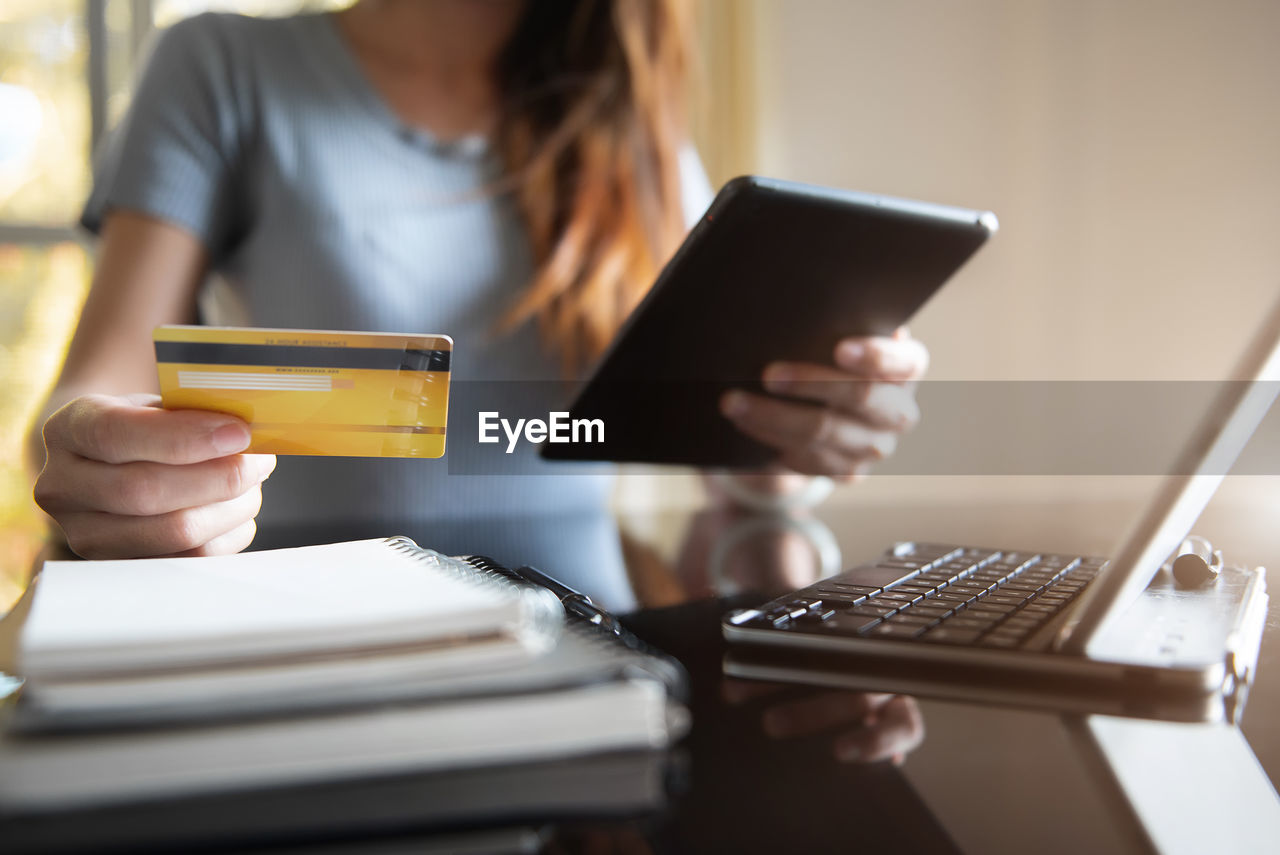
(1129, 147)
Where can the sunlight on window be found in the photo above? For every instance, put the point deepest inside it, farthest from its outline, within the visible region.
(45, 122)
(41, 290)
(44, 138)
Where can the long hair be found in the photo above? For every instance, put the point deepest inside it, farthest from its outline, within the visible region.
(593, 120)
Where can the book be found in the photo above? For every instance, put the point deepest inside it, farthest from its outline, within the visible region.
(91, 619)
(489, 671)
(62, 770)
(422, 807)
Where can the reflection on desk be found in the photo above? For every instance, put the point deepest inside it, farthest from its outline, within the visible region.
(765, 768)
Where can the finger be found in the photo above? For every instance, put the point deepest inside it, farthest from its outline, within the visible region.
(831, 464)
(230, 543)
(101, 535)
(879, 358)
(114, 430)
(790, 424)
(820, 712)
(890, 406)
(148, 489)
(898, 729)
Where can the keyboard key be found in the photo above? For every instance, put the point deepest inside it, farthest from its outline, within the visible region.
(931, 608)
(943, 634)
(996, 610)
(896, 630)
(968, 622)
(853, 624)
(843, 601)
(896, 596)
(1001, 641)
(818, 615)
(909, 618)
(904, 563)
(878, 577)
(850, 588)
(871, 610)
(950, 595)
(1010, 599)
(1021, 621)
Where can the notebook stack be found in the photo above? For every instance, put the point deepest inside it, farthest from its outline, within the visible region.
(328, 666)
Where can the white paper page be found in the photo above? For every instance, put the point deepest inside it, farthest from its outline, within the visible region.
(177, 609)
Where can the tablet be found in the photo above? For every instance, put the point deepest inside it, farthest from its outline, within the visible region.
(774, 270)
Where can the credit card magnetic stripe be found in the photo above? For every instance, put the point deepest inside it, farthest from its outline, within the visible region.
(302, 356)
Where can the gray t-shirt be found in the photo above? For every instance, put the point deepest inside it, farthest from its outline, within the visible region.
(320, 209)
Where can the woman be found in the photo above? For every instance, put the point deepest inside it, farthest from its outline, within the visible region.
(489, 170)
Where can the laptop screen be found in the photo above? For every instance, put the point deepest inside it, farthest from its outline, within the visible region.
(1221, 434)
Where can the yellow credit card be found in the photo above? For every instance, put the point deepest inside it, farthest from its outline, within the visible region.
(319, 392)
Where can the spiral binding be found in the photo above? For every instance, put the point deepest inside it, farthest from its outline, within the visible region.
(633, 655)
(543, 611)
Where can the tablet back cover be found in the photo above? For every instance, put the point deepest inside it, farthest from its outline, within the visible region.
(773, 271)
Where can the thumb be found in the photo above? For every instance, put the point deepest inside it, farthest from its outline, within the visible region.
(124, 430)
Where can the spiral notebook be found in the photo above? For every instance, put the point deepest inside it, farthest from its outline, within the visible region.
(92, 619)
(189, 686)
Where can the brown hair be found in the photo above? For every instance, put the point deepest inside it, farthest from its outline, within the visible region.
(593, 120)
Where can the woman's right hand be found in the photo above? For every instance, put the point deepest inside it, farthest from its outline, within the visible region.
(126, 479)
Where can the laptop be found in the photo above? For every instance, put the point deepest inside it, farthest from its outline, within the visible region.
(1067, 632)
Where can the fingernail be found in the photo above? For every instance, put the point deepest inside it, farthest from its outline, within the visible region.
(852, 352)
(777, 378)
(735, 405)
(230, 438)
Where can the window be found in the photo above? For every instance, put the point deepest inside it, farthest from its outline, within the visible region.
(66, 68)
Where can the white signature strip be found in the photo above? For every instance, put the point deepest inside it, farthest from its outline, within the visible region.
(236, 380)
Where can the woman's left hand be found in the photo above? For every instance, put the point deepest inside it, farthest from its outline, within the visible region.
(849, 415)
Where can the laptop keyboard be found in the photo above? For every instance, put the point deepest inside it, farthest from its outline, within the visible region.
(939, 594)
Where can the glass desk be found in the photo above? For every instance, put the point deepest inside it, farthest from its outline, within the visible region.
(768, 768)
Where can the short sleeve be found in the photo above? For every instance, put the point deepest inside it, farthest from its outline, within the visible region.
(695, 189)
(174, 156)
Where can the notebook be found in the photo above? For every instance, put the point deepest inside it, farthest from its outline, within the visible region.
(449, 663)
(608, 786)
(1066, 631)
(59, 771)
(115, 618)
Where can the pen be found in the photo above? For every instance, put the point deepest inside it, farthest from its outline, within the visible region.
(574, 602)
